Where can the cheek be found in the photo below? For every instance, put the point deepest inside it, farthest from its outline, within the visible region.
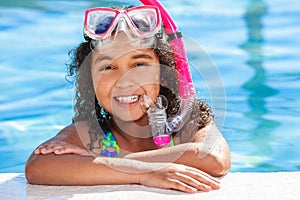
(152, 91)
(144, 76)
(102, 90)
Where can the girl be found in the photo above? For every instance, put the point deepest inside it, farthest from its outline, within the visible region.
(127, 89)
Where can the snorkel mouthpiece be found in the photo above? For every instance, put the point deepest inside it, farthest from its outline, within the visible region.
(157, 120)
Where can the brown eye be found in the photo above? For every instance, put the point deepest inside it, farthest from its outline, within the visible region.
(141, 64)
(106, 68)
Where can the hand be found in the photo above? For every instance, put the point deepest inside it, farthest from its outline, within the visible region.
(60, 147)
(180, 177)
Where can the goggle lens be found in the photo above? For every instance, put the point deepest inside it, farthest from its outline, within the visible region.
(144, 20)
(100, 21)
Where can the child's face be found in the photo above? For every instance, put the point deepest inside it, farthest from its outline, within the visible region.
(122, 77)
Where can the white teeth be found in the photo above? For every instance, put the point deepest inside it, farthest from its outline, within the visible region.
(127, 99)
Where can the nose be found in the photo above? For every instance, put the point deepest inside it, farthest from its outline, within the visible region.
(126, 80)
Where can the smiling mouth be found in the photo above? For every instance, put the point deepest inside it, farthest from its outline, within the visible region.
(127, 99)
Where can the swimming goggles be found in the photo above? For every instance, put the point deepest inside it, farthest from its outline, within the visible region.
(102, 23)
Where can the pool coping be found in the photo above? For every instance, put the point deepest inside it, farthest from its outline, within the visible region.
(235, 185)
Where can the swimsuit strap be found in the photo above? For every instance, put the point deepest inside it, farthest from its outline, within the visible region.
(171, 141)
(110, 148)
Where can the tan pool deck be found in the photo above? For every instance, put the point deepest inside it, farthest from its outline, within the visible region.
(243, 186)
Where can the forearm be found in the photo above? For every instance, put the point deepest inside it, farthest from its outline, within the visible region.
(214, 160)
(206, 150)
(69, 169)
(187, 154)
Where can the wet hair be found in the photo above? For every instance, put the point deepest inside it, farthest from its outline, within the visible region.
(86, 106)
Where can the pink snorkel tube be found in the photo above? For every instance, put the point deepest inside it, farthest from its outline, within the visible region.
(185, 83)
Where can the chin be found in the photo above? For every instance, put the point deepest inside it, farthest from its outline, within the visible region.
(131, 117)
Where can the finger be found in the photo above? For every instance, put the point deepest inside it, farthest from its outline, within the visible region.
(83, 152)
(51, 148)
(72, 149)
(41, 150)
(178, 185)
(193, 182)
(63, 151)
(47, 145)
(212, 182)
(37, 151)
(66, 150)
(59, 147)
(204, 174)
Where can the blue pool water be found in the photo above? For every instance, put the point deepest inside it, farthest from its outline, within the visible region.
(253, 44)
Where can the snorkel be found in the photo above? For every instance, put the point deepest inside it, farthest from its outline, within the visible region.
(185, 83)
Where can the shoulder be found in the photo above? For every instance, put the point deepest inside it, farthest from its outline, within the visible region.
(200, 122)
(202, 113)
(192, 133)
(208, 137)
(75, 133)
(209, 133)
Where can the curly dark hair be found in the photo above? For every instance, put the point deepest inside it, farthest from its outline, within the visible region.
(87, 107)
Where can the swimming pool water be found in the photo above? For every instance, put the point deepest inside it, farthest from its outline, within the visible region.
(253, 44)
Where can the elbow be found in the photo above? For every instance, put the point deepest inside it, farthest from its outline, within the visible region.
(220, 167)
(32, 172)
(216, 163)
(30, 175)
(213, 165)
(221, 162)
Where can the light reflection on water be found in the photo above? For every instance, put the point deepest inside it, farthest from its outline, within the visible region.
(253, 44)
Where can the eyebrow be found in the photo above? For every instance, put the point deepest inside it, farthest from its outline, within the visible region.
(138, 56)
(146, 56)
(101, 58)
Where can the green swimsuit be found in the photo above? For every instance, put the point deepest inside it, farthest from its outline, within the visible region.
(109, 143)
